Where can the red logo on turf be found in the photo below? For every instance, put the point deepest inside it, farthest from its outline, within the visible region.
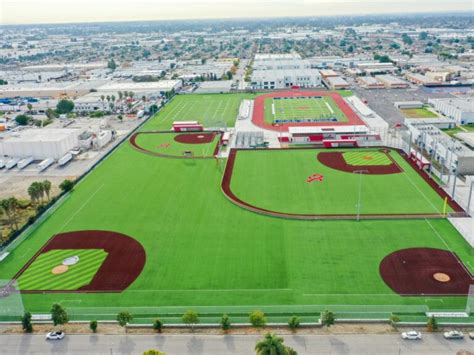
(315, 177)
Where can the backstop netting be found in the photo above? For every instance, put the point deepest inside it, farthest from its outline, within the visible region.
(11, 303)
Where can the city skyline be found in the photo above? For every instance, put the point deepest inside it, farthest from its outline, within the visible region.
(52, 11)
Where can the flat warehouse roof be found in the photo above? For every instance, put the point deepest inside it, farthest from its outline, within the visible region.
(42, 135)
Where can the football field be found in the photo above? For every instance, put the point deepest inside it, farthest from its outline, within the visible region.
(303, 109)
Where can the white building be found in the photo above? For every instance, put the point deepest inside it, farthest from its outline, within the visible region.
(337, 83)
(39, 143)
(214, 87)
(154, 88)
(281, 79)
(392, 82)
(462, 110)
(92, 102)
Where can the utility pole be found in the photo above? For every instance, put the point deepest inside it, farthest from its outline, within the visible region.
(454, 184)
(359, 204)
(469, 197)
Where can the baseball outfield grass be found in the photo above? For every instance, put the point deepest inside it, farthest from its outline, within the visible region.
(277, 181)
(166, 144)
(202, 250)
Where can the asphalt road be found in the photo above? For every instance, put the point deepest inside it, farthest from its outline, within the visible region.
(432, 344)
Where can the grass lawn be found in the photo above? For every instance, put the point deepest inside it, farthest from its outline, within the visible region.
(418, 113)
(164, 143)
(321, 109)
(459, 129)
(276, 180)
(203, 250)
(39, 274)
(207, 109)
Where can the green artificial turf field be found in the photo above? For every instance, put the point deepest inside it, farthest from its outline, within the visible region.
(203, 250)
(294, 109)
(164, 143)
(418, 113)
(366, 158)
(38, 276)
(208, 109)
(276, 180)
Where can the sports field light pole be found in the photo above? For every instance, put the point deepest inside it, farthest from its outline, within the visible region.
(359, 205)
(469, 198)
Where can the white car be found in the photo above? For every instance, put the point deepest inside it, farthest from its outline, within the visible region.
(411, 335)
(454, 334)
(55, 335)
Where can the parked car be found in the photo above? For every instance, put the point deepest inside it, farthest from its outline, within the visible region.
(55, 335)
(454, 334)
(411, 335)
(471, 335)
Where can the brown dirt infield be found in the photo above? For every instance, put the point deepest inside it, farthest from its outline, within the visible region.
(411, 272)
(335, 160)
(195, 138)
(123, 264)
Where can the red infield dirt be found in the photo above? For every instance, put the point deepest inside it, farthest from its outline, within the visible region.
(335, 160)
(425, 271)
(258, 116)
(123, 264)
(195, 138)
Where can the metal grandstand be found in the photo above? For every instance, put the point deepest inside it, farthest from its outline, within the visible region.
(249, 140)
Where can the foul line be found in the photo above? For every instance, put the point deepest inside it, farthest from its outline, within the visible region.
(450, 250)
(421, 192)
(80, 209)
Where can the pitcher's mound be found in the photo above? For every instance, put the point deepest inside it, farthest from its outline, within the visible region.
(60, 269)
(441, 277)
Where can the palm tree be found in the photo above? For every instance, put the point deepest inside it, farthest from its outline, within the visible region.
(113, 98)
(102, 97)
(33, 192)
(108, 98)
(46, 187)
(10, 207)
(271, 345)
(120, 95)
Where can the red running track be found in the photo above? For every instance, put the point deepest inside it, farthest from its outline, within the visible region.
(258, 117)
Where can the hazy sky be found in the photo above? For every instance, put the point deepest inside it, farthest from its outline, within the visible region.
(61, 11)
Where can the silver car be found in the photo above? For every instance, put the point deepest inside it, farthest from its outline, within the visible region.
(411, 335)
(55, 335)
(454, 334)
